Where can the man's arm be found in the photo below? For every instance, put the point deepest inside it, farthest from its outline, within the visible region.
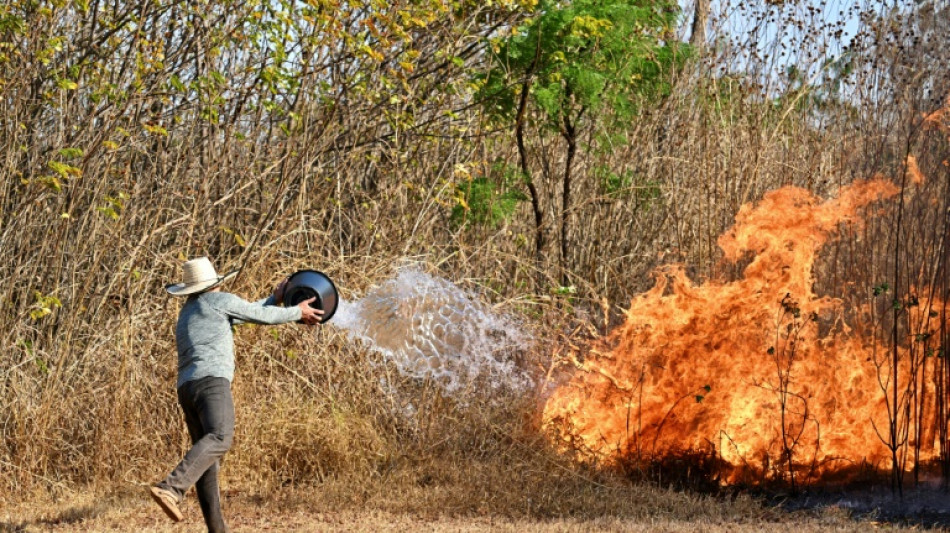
(240, 310)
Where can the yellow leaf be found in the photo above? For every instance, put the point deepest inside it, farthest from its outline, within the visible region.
(156, 130)
(64, 169)
(52, 183)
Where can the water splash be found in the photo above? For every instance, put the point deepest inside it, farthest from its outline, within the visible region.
(430, 328)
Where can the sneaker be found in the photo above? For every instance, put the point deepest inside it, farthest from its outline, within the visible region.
(167, 501)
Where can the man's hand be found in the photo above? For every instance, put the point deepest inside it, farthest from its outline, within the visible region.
(308, 314)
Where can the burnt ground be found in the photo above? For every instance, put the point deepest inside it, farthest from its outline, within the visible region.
(926, 506)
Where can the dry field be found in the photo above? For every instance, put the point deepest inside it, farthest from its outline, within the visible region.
(619, 507)
(136, 134)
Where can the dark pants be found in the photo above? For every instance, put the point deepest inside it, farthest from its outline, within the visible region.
(209, 414)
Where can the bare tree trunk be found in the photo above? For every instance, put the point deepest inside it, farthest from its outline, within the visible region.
(697, 38)
(520, 120)
(570, 135)
(526, 172)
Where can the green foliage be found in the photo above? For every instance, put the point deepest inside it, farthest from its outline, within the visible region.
(10, 23)
(616, 185)
(484, 202)
(488, 200)
(71, 153)
(43, 305)
(586, 64)
(41, 365)
(880, 289)
(626, 185)
(64, 170)
(564, 290)
(594, 56)
(114, 206)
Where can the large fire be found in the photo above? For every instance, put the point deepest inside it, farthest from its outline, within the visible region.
(760, 372)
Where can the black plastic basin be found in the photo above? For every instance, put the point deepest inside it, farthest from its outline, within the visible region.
(306, 284)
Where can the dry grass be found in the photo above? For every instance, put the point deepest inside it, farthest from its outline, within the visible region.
(86, 390)
(390, 507)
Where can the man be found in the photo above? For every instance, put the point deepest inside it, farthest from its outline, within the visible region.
(205, 371)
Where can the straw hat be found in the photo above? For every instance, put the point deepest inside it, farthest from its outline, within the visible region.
(198, 276)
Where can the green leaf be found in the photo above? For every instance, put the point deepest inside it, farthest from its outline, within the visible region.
(71, 153)
(63, 169)
(483, 201)
(604, 56)
(109, 212)
(881, 289)
(238, 238)
(26, 344)
(39, 312)
(155, 129)
(67, 85)
(564, 291)
(10, 23)
(43, 305)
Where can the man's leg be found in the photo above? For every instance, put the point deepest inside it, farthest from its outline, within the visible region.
(209, 414)
(216, 415)
(207, 485)
(210, 500)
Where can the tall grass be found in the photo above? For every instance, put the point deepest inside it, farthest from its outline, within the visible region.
(137, 134)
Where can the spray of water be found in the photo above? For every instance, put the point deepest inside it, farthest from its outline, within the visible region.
(430, 328)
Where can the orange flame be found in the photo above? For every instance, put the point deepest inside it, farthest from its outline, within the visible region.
(913, 171)
(761, 371)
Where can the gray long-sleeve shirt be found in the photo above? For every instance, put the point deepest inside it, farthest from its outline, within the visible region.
(204, 337)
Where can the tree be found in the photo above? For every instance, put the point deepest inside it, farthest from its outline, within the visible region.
(581, 64)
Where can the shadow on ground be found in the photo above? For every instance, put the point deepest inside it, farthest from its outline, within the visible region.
(70, 515)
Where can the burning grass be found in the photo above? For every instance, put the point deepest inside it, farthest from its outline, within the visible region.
(759, 379)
